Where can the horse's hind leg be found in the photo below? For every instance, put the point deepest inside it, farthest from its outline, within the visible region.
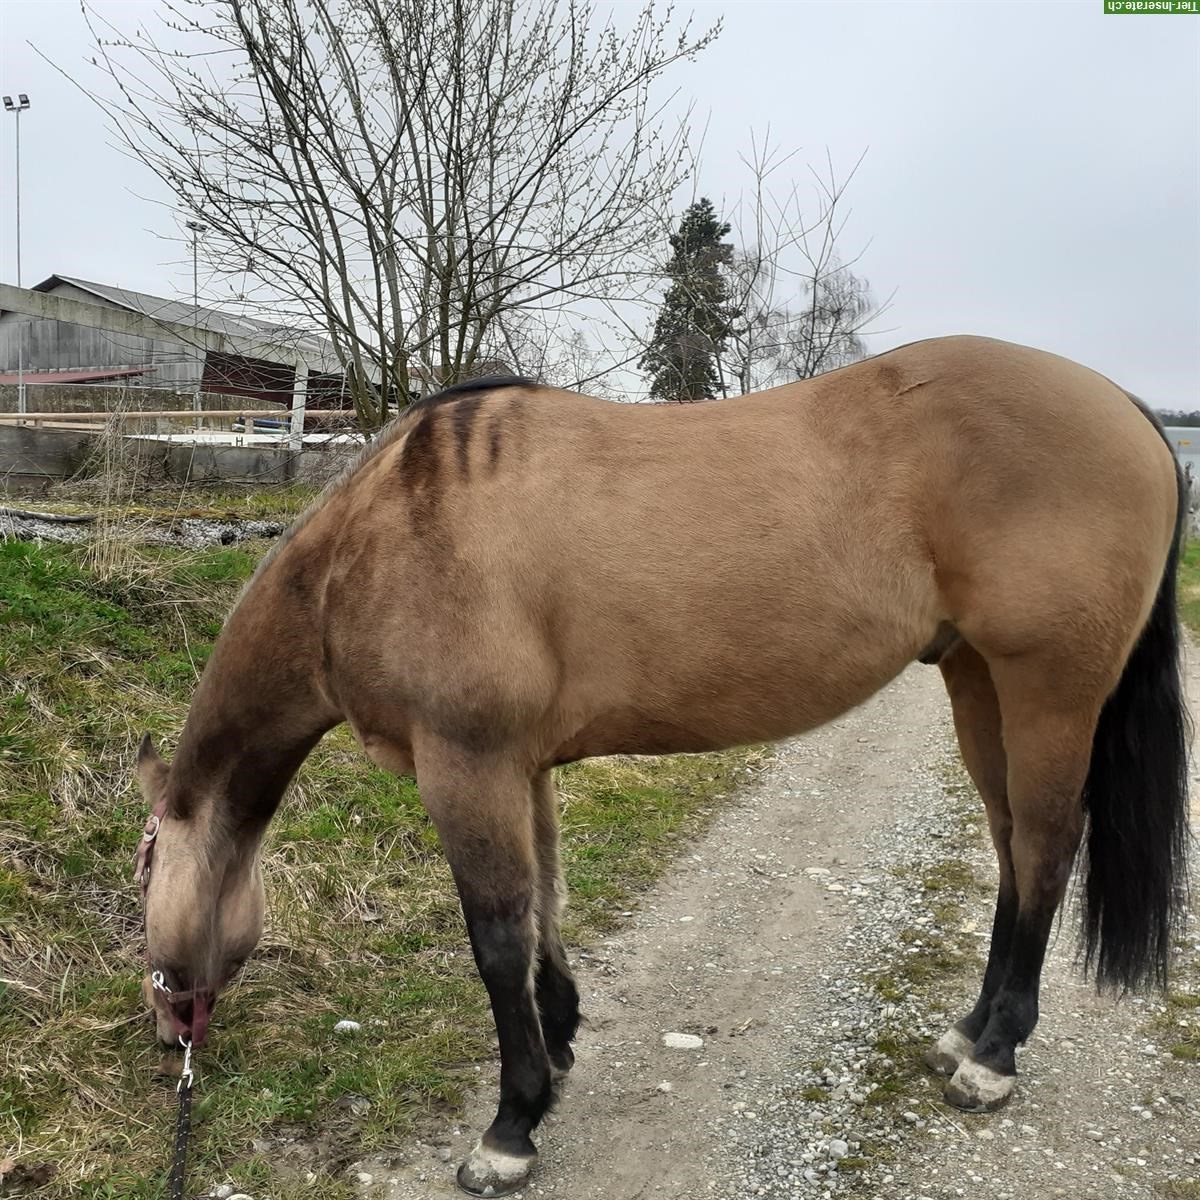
(977, 724)
(482, 808)
(557, 995)
(1049, 709)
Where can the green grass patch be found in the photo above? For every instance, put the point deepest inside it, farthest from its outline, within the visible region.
(364, 922)
(1189, 586)
(1176, 1027)
(952, 875)
(218, 502)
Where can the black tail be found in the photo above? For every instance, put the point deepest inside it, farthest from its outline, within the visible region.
(1136, 799)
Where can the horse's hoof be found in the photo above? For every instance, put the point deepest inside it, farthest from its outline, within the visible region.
(491, 1172)
(947, 1053)
(977, 1088)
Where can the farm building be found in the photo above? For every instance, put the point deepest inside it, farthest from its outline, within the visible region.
(45, 350)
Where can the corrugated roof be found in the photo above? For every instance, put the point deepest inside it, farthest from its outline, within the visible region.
(181, 313)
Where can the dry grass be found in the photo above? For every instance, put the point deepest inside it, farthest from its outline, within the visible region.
(364, 922)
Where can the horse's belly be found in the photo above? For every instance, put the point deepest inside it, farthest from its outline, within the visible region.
(632, 732)
(730, 713)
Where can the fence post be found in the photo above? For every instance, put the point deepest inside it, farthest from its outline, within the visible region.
(299, 404)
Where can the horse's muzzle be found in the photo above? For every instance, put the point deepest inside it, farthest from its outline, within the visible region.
(181, 1016)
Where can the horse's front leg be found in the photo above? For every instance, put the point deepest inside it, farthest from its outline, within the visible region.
(483, 811)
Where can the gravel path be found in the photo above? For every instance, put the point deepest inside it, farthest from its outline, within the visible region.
(190, 533)
(767, 944)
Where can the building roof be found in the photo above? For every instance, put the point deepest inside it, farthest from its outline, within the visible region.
(180, 312)
(94, 375)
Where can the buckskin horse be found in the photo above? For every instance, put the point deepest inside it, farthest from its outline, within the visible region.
(513, 577)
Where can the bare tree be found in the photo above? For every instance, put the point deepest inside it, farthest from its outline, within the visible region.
(414, 177)
(559, 352)
(801, 308)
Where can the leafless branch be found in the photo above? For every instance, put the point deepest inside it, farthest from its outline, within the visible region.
(429, 182)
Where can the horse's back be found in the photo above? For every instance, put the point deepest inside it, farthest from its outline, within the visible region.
(744, 568)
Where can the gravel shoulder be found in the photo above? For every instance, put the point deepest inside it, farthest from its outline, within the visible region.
(190, 533)
(813, 940)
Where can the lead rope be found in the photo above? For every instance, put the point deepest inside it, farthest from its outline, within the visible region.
(177, 1180)
(183, 1127)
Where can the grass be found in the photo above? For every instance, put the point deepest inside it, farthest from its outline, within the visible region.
(214, 502)
(1177, 1028)
(1189, 586)
(364, 923)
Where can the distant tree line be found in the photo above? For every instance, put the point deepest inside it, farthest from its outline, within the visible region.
(1171, 416)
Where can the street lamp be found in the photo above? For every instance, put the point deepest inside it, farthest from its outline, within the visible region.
(21, 105)
(197, 228)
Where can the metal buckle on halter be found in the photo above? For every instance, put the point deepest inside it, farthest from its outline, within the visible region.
(145, 850)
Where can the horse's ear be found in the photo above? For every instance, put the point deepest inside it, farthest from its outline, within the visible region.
(151, 770)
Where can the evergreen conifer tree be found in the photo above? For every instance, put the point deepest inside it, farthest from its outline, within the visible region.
(683, 359)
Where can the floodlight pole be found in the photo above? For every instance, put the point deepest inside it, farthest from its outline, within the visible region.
(17, 109)
(197, 228)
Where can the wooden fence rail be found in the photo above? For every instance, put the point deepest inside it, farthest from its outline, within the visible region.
(180, 414)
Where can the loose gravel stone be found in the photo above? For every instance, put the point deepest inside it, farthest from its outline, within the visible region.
(190, 533)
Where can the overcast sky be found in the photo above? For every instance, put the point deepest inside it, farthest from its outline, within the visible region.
(1032, 168)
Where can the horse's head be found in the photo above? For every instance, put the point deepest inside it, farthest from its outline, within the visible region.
(204, 905)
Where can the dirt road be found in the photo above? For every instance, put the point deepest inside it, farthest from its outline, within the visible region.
(813, 939)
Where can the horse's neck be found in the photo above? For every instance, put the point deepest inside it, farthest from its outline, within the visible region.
(257, 712)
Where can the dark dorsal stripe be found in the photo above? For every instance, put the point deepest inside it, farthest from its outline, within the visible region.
(486, 383)
(453, 411)
(421, 459)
